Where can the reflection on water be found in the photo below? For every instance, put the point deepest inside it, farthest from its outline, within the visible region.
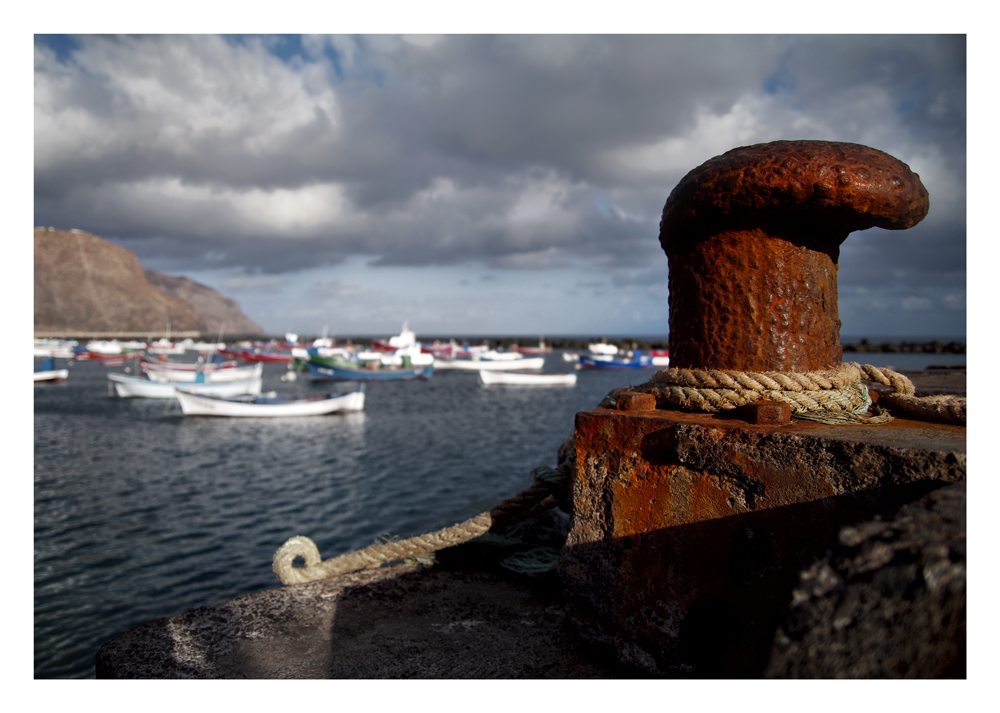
(141, 513)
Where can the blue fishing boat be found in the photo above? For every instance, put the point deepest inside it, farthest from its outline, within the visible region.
(640, 361)
(320, 372)
(48, 372)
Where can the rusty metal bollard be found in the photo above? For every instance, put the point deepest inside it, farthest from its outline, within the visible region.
(753, 238)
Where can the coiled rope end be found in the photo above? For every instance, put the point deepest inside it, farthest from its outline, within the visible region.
(282, 562)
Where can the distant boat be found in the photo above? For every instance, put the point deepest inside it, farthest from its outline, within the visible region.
(208, 375)
(127, 386)
(60, 348)
(514, 364)
(506, 378)
(164, 346)
(319, 372)
(406, 338)
(542, 348)
(267, 355)
(270, 406)
(661, 357)
(600, 348)
(47, 371)
(636, 362)
(215, 362)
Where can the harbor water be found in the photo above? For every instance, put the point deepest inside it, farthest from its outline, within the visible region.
(141, 513)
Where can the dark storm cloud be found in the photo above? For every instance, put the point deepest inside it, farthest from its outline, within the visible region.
(517, 151)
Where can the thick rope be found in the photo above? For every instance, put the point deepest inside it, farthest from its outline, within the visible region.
(832, 396)
(546, 482)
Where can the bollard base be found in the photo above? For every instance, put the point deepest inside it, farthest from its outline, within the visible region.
(690, 530)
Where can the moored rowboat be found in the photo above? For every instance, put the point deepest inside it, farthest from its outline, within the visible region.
(506, 378)
(137, 387)
(47, 371)
(211, 376)
(320, 372)
(490, 364)
(270, 406)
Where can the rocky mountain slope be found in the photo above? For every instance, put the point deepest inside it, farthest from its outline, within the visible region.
(221, 314)
(87, 284)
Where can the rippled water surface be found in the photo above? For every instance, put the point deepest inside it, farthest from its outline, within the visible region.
(141, 513)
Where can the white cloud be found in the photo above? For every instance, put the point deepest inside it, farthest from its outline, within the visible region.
(916, 304)
(515, 152)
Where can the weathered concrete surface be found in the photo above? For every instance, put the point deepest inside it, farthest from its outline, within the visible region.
(405, 621)
(887, 602)
(690, 530)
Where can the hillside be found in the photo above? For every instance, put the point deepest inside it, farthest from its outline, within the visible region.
(221, 314)
(85, 283)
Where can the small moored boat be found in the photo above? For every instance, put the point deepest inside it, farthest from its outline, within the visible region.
(207, 374)
(48, 372)
(507, 378)
(509, 364)
(320, 372)
(270, 406)
(127, 386)
(639, 361)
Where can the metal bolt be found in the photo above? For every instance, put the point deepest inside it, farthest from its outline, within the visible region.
(635, 401)
(769, 413)
(753, 237)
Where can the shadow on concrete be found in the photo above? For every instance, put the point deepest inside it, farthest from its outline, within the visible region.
(707, 599)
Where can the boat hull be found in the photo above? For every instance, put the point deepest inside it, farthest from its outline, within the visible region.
(134, 387)
(319, 372)
(52, 375)
(263, 407)
(490, 365)
(591, 363)
(212, 376)
(504, 378)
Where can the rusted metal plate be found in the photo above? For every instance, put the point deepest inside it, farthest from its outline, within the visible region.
(689, 530)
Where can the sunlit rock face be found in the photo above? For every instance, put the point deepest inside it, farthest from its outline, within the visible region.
(85, 283)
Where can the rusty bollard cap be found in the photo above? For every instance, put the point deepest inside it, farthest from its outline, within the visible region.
(825, 189)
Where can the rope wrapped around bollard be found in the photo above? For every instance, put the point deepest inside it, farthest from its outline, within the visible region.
(831, 396)
(547, 482)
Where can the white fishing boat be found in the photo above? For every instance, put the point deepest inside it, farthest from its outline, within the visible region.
(200, 365)
(165, 346)
(104, 346)
(47, 371)
(58, 348)
(270, 406)
(207, 375)
(490, 364)
(203, 347)
(602, 349)
(507, 378)
(127, 386)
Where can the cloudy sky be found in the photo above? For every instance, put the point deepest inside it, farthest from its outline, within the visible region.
(480, 184)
